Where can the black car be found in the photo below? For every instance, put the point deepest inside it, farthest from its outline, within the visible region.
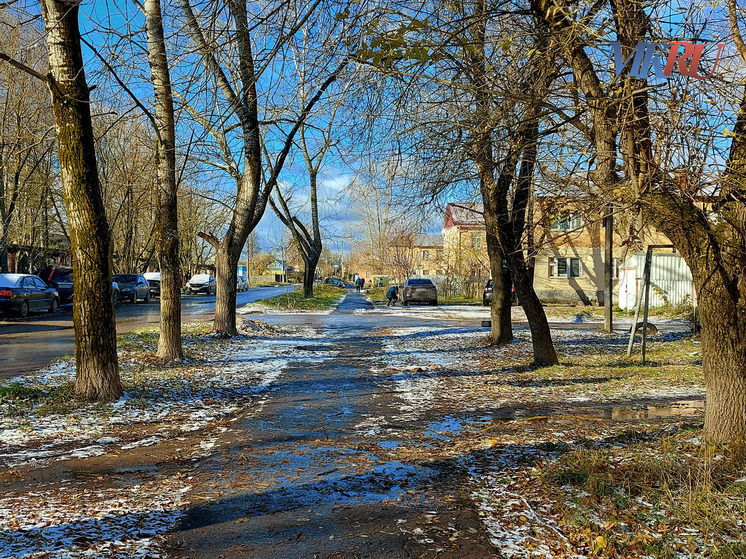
(23, 293)
(336, 282)
(61, 278)
(487, 296)
(133, 287)
(419, 290)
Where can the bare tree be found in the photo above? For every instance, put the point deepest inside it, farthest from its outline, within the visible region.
(167, 230)
(708, 231)
(26, 140)
(93, 310)
(241, 95)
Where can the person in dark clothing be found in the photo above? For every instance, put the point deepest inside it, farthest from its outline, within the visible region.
(392, 295)
(358, 285)
(362, 285)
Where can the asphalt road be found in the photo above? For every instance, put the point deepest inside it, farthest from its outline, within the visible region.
(28, 344)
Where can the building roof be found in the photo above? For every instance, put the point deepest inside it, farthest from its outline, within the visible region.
(463, 213)
(429, 240)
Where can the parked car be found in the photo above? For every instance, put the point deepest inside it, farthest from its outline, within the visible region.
(24, 293)
(488, 295)
(154, 280)
(241, 283)
(133, 287)
(419, 290)
(339, 283)
(61, 279)
(201, 283)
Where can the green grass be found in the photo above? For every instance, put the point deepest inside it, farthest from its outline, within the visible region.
(16, 391)
(17, 399)
(377, 294)
(324, 298)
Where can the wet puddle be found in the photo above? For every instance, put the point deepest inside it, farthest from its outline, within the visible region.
(681, 408)
(676, 409)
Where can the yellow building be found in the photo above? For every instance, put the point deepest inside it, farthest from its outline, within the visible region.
(466, 263)
(427, 256)
(567, 248)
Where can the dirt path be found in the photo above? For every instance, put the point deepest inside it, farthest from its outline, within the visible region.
(314, 468)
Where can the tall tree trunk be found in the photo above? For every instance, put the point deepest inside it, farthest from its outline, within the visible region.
(3, 223)
(500, 311)
(541, 334)
(309, 273)
(93, 309)
(226, 273)
(166, 230)
(723, 362)
(716, 272)
(483, 157)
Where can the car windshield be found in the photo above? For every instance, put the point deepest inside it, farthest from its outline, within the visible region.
(419, 282)
(63, 275)
(9, 280)
(125, 278)
(200, 277)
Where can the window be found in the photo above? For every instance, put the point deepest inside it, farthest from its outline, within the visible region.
(476, 240)
(40, 284)
(565, 268)
(439, 255)
(426, 255)
(566, 222)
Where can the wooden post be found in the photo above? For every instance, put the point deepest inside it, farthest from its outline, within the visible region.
(608, 270)
(648, 261)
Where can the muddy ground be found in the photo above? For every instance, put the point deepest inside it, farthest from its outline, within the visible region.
(361, 433)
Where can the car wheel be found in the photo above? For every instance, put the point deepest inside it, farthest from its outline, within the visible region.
(133, 298)
(405, 303)
(116, 298)
(53, 307)
(24, 309)
(147, 296)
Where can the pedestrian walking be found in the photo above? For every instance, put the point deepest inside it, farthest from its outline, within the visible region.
(392, 295)
(357, 285)
(362, 284)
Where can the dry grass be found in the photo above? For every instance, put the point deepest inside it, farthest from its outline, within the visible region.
(663, 498)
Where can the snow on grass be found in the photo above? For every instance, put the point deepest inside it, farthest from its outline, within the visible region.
(182, 399)
(125, 522)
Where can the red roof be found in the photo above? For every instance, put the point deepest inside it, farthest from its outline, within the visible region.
(463, 213)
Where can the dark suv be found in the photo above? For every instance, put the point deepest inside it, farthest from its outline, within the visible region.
(61, 278)
(419, 290)
(488, 295)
